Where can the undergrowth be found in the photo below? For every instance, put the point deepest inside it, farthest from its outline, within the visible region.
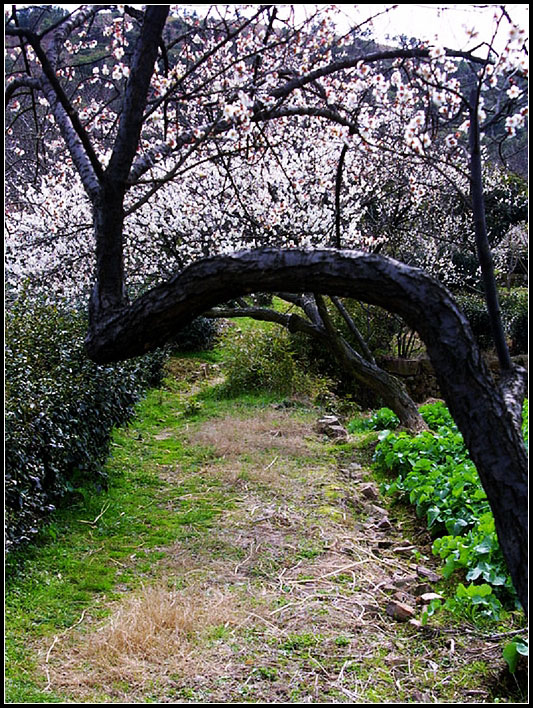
(60, 410)
(434, 473)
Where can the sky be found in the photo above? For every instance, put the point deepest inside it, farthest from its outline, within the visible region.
(440, 24)
(437, 23)
(444, 24)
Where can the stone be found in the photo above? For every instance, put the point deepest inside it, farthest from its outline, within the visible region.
(427, 597)
(404, 549)
(400, 611)
(379, 510)
(337, 432)
(330, 425)
(427, 573)
(369, 491)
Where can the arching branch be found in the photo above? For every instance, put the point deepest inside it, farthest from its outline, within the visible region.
(475, 403)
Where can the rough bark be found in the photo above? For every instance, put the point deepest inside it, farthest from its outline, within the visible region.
(482, 240)
(477, 405)
(108, 203)
(108, 219)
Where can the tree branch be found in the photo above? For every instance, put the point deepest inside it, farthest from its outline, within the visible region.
(141, 70)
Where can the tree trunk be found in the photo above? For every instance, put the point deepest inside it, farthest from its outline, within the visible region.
(108, 295)
(475, 402)
(482, 241)
(389, 388)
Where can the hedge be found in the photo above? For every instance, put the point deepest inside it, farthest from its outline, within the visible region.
(60, 409)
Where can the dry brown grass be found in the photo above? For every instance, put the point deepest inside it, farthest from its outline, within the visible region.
(153, 636)
(231, 437)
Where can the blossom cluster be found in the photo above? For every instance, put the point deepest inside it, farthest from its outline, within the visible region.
(241, 143)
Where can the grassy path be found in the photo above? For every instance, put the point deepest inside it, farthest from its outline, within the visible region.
(237, 556)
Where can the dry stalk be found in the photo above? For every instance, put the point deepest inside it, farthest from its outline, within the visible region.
(56, 639)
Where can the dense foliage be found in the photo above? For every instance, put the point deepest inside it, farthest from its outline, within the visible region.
(200, 334)
(60, 408)
(514, 307)
(267, 360)
(435, 474)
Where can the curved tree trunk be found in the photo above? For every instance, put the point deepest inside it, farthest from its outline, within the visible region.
(476, 403)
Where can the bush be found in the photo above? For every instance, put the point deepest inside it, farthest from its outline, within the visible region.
(475, 310)
(515, 312)
(199, 335)
(264, 359)
(60, 409)
(378, 327)
(514, 309)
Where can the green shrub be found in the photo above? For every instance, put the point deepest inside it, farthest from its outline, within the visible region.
(199, 335)
(475, 309)
(514, 309)
(60, 408)
(264, 359)
(515, 313)
(377, 327)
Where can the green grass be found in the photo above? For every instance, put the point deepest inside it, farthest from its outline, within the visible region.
(108, 541)
(103, 540)
(105, 547)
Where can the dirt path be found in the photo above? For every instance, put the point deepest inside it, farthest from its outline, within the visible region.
(305, 589)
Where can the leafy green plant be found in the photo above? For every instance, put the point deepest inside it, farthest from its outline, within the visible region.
(383, 419)
(513, 651)
(474, 602)
(515, 313)
(437, 415)
(435, 474)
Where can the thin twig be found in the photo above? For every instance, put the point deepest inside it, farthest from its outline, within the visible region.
(103, 510)
(270, 465)
(56, 639)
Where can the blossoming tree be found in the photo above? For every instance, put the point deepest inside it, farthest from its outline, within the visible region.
(138, 109)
